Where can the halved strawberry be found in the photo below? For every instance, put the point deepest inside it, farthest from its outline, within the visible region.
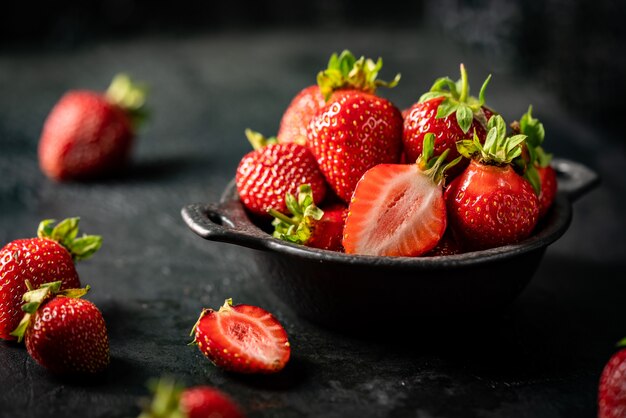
(242, 339)
(398, 209)
(310, 225)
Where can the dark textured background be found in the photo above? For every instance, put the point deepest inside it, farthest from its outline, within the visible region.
(541, 358)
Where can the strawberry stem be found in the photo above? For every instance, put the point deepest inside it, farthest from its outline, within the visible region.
(464, 85)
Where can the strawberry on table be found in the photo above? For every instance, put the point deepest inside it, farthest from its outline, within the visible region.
(535, 162)
(399, 209)
(49, 257)
(266, 174)
(489, 204)
(63, 333)
(612, 389)
(242, 339)
(356, 129)
(174, 401)
(89, 134)
(448, 112)
(310, 225)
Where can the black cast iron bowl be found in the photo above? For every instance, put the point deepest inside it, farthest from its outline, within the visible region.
(337, 289)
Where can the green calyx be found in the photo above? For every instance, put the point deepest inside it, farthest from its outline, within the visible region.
(129, 96)
(434, 166)
(346, 72)
(65, 233)
(498, 148)
(34, 298)
(458, 100)
(536, 156)
(298, 228)
(166, 400)
(258, 141)
(621, 343)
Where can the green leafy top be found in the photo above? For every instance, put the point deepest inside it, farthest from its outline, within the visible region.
(622, 342)
(65, 233)
(498, 148)
(298, 228)
(258, 140)
(457, 99)
(34, 298)
(166, 400)
(433, 166)
(130, 96)
(345, 71)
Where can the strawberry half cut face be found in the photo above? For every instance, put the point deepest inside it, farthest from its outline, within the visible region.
(243, 338)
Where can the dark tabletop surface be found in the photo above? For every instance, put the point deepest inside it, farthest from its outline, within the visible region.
(542, 357)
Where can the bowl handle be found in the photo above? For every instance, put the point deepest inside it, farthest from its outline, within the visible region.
(221, 222)
(574, 179)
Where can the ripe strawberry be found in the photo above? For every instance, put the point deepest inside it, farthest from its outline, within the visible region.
(88, 134)
(173, 401)
(356, 129)
(40, 260)
(299, 114)
(398, 209)
(612, 390)
(489, 204)
(63, 333)
(535, 162)
(433, 113)
(242, 339)
(266, 174)
(310, 225)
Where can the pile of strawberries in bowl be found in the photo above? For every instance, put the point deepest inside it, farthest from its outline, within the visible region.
(349, 172)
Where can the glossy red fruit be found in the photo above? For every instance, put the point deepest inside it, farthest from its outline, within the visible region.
(39, 260)
(547, 175)
(448, 112)
(489, 204)
(398, 209)
(89, 134)
(612, 390)
(63, 333)
(242, 339)
(298, 115)
(265, 175)
(310, 225)
(207, 402)
(354, 132)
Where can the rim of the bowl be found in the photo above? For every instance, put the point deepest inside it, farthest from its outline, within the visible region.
(554, 226)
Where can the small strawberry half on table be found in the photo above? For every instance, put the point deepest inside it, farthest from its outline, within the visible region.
(356, 129)
(399, 209)
(489, 204)
(612, 389)
(535, 162)
(49, 257)
(89, 134)
(310, 225)
(448, 112)
(63, 333)
(242, 339)
(266, 174)
(172, 400)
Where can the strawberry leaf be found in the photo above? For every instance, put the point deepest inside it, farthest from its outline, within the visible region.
(532, 128)
(532, 175)
(481, 94)
(65, 233)
(297, 229)
(446, 108)
(464, 117)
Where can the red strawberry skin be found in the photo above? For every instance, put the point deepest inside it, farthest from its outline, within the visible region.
(38, 260)
(298, 115)
(612, 390)
(327, 233)
(421, 119)
(490, 206)
(351, 134)
(548, 189)
(205, 402)
(84, 136)
(243, 339)
(68, 335)
(264, 176)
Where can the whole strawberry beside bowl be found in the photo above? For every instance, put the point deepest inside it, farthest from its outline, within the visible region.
(612, 389)
(89, 134)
